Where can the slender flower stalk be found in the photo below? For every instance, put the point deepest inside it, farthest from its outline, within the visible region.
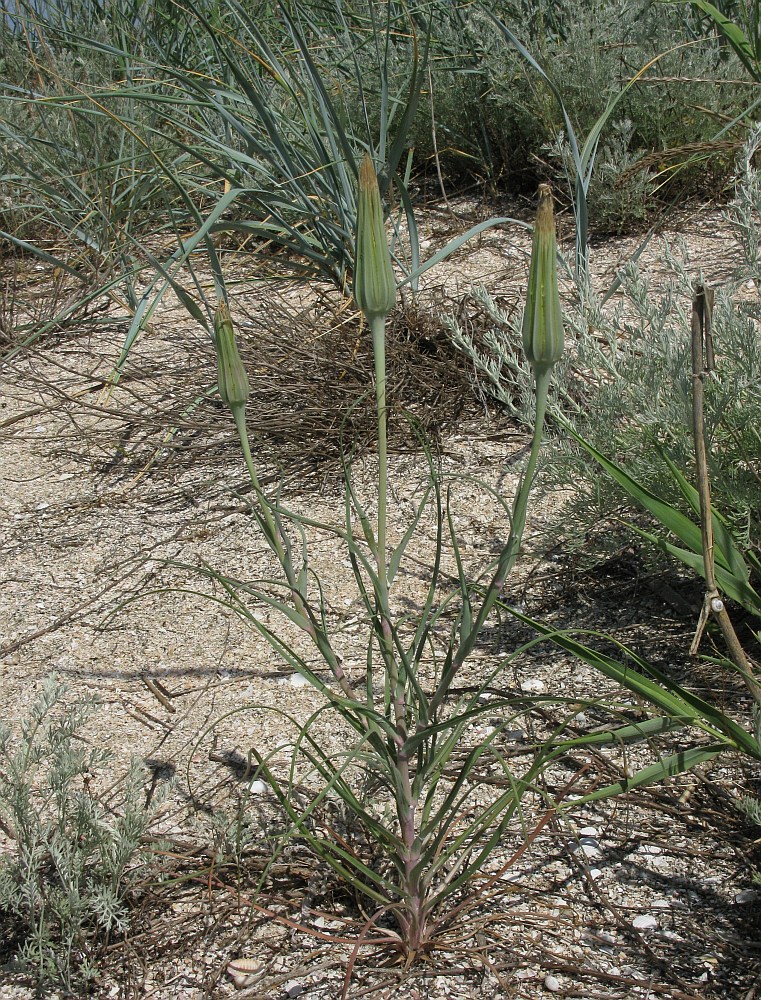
(543, 341)
(234, 391)
(375, 294)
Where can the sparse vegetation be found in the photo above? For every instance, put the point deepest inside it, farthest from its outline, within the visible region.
(71, 859)
(146, 153)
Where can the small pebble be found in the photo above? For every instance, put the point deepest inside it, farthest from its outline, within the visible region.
(551, 984)
(649, 849)
(257, 787)
(747, 896)
(293, 989)
(297, 681)
(533, 685)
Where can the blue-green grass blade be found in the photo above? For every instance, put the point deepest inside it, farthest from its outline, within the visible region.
(663, 692)
(738, 589)
(673, 520)
(458, 242)
(726, 550)
(733, 34)
(668, 767)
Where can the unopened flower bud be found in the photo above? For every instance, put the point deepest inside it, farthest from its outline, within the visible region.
(542, 318)
(231, 374)
(374, 282)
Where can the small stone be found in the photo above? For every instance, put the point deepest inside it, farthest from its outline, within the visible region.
(257, 787)
(649, 849)
(293, 989)
(551, 984)
(297, 681)
(533, 685)
(747, 896)
(644, 922)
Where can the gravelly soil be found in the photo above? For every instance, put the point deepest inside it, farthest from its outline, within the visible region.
(649, 895)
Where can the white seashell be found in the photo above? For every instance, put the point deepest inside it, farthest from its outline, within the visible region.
(650, 849)
(244, 972)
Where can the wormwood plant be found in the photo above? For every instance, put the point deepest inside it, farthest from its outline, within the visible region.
(626, 387)
(66, 876)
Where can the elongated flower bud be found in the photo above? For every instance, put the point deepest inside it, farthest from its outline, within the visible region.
(374, 282)
(542, 319)
(231, 375)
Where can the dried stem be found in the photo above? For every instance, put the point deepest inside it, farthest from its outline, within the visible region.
(713, 605)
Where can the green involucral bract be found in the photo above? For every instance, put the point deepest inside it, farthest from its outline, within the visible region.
(374, 282)
(231, 374)
(542, 319)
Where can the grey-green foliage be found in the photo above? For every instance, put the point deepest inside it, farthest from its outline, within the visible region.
(621, 187)
(626, 382)
(75, 165)
(750, 807)
(72, 859)
(589, 50)
(743, 212)
(76, 161)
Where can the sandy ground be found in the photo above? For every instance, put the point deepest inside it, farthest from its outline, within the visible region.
(111, 581)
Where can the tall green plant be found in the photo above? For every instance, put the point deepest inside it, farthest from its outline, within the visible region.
(430, 835)
(407, 726)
